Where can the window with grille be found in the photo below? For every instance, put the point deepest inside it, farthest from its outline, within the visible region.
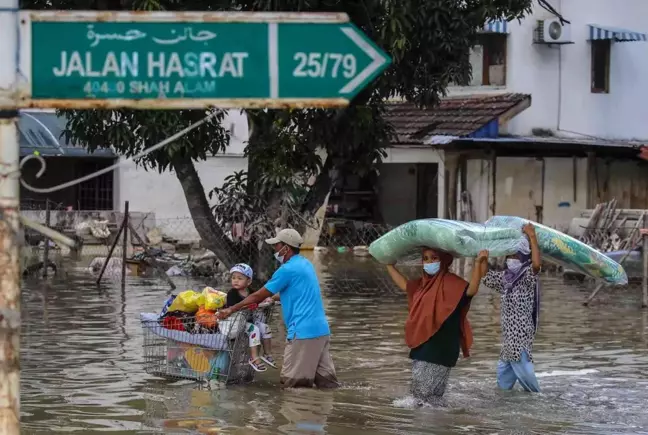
(97, 193)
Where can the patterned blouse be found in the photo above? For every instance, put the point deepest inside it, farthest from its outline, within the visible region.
(518, 328)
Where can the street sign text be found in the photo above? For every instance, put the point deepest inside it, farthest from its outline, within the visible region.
(175, 64)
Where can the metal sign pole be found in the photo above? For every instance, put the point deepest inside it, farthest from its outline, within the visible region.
(9, 226)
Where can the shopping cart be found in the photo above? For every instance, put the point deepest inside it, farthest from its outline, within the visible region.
(188, 352)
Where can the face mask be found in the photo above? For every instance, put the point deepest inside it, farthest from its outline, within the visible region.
(279, 257)
(432, 268)
(513, 264)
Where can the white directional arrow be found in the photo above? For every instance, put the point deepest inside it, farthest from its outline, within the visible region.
(377, 60)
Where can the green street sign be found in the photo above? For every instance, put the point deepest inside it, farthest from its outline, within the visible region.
(190, 60)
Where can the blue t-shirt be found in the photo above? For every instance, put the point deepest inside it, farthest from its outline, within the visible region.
(301, 299)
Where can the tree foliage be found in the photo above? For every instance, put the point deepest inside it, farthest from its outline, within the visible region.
(428, 40)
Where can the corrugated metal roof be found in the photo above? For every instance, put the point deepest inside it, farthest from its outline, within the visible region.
(559, 140)
(42, 132)
(440, 140)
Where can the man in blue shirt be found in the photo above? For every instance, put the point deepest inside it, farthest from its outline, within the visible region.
(307, 359)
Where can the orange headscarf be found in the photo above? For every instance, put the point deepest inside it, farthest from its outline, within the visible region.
(432, 299)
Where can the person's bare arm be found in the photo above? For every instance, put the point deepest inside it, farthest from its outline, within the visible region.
(254, 298)
(483, 267)
(478, 273)
(397, 277)
(536, 259)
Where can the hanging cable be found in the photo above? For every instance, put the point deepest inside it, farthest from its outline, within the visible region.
(546, 6)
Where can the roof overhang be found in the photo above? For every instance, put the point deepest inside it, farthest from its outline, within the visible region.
(548, 147)
(598, 33)
(495, 26)
(42, 132)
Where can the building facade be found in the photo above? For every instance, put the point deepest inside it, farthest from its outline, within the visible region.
(593, 84)
(578, 139)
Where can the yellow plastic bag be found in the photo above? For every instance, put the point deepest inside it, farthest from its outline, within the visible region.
(188, 302)
(213, 299)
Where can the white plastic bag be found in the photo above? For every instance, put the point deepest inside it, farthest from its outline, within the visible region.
(232, 326)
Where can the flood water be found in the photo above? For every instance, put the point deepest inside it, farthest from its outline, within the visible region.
(82, 368)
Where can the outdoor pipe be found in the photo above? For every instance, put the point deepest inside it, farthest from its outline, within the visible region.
(48, 232)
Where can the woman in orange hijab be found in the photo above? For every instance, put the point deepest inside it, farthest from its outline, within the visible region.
(437, 325)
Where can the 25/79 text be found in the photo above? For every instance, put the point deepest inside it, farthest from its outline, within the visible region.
(324, 65)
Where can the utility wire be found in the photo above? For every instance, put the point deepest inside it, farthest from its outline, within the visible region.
(155, 147)
(546, 6)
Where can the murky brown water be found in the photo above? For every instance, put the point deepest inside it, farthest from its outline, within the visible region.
(82, 354)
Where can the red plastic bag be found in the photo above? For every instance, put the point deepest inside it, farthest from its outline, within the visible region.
(173, 323)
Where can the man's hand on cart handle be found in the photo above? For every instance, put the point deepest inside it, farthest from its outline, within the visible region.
(254, 298)
(224, 314)
(643, 231)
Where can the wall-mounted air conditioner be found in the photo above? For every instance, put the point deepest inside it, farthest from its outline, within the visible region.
(552, 31)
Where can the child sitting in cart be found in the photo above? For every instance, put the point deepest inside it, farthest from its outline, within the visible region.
(257, 329)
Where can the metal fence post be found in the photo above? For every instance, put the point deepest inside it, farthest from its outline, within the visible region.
(47, 240)
(110, 252)
(125, 246)
(644, 251)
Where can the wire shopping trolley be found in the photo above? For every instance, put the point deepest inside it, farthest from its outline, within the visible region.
(183, 349)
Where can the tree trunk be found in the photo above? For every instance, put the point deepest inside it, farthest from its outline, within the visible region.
(213, 236)
(318, 191)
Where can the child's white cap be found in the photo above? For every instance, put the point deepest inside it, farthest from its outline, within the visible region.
(243, 269)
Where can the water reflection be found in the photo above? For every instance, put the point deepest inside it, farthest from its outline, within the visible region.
(82, 354)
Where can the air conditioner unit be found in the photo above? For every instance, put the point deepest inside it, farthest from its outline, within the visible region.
(553, 31)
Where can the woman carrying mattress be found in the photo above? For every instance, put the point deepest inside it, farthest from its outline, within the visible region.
(437, 325)
(519, 288)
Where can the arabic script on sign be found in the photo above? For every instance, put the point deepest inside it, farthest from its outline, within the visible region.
(202, 36)
(96, 38)
(133, 35)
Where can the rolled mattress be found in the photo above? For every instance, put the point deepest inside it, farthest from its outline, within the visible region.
(501, 236)
(461, 239)
(567, 251)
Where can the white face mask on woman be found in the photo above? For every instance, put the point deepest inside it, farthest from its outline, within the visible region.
(513, 265)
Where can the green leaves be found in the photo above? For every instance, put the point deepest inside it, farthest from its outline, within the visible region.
(129, 132)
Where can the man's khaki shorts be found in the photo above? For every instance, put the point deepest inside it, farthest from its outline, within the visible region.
(307, 362)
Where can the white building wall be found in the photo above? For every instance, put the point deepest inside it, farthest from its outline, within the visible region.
(162, 195)
(559, 77)
(559, 81)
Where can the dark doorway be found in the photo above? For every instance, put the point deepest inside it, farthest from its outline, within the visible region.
(427, 189)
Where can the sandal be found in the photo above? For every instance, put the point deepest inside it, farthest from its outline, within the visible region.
(269, 360)
(257, 365)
